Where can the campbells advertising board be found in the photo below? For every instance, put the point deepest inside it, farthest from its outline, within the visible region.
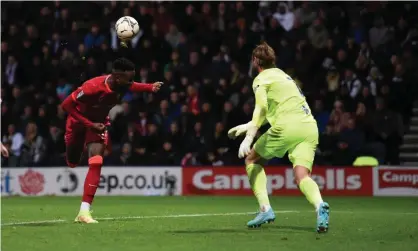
(395, 181)
(280, 181)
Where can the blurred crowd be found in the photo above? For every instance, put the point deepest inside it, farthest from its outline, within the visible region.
(356, 63)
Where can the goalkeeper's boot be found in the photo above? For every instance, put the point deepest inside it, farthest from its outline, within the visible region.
(84, 216)
(322, 218)
(262, 218)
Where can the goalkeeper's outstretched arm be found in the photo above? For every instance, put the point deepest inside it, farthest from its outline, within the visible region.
(260, 110)
(259, 118)
(259, 115)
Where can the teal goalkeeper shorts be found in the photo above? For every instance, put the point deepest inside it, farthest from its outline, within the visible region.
(299, 140)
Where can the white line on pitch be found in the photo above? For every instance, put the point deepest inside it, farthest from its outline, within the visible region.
(192, 215)
(140, 217)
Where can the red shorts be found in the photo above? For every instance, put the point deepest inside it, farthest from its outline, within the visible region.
(76, 133)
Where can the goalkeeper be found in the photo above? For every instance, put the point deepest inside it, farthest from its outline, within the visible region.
(280, 102)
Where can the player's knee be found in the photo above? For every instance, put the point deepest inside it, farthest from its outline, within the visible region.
(71, 164)
(253, 158)
(300, 172)
(96, 149)
(73, 159)
(249, 160)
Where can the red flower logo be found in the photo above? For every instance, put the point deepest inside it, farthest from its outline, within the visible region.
(32, 182)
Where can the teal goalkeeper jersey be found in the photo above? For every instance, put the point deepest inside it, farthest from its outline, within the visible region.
(283, 101)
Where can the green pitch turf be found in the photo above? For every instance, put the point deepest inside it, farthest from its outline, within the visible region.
(199, 224)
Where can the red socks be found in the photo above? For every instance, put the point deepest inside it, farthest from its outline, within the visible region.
(93, 178)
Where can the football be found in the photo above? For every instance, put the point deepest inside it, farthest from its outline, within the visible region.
(126, 28)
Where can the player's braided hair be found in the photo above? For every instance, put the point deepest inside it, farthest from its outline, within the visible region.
(123, 64)
(264, 56)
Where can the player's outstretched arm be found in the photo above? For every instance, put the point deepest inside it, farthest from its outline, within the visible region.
(69, 105)
(260, 110)
(141, 87)
(259, 118)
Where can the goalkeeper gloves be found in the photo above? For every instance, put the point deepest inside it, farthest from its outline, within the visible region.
(251, 130)
(238, 130)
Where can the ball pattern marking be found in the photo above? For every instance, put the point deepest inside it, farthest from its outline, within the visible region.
(122, 27)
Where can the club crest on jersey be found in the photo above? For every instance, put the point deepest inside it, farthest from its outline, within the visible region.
(80, 94)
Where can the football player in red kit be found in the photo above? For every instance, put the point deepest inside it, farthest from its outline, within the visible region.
(88, 108)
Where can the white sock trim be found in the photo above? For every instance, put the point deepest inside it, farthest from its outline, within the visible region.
(85, 206)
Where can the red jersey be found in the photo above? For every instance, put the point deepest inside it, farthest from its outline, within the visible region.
(92, 101)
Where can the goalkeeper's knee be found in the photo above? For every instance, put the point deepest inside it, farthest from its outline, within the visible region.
(253, 158)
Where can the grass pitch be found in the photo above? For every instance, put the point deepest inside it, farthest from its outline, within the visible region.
(206, 223)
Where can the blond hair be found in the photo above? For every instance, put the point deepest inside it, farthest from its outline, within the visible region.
(264, 56)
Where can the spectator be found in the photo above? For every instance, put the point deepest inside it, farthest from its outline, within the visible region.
(26, 117)
(15, 141)
(352, 83)
(12, 71)
(305, 15)
(55, 146)
(175, 137)
(163, 19)
(362, 66)
(162, 118)
(63, 22)
(175, 105)
(336, 116)
(33, 148)
(318, 34)
(342, 62)
(374, 80)
(167, 155)
(284, 16)
(378, 35)
(320, 115)
(94, 38)
(152, 141)
(176, 66)
(365, 50)
(130, 136)
(56, 44)
(42, 121)
(333, 79)
(207, 118)
(362, 118)
(246, 113)
(196, 139)
(193, 100)
(327, 144)
(220, 140)
(366, 98)
(125, 158)
(121, 122)
(389, 128)
(221, 19)
(349, 144)
(173, 36)
(227, 115)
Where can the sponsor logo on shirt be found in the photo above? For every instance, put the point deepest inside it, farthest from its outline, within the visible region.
(80, 94)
